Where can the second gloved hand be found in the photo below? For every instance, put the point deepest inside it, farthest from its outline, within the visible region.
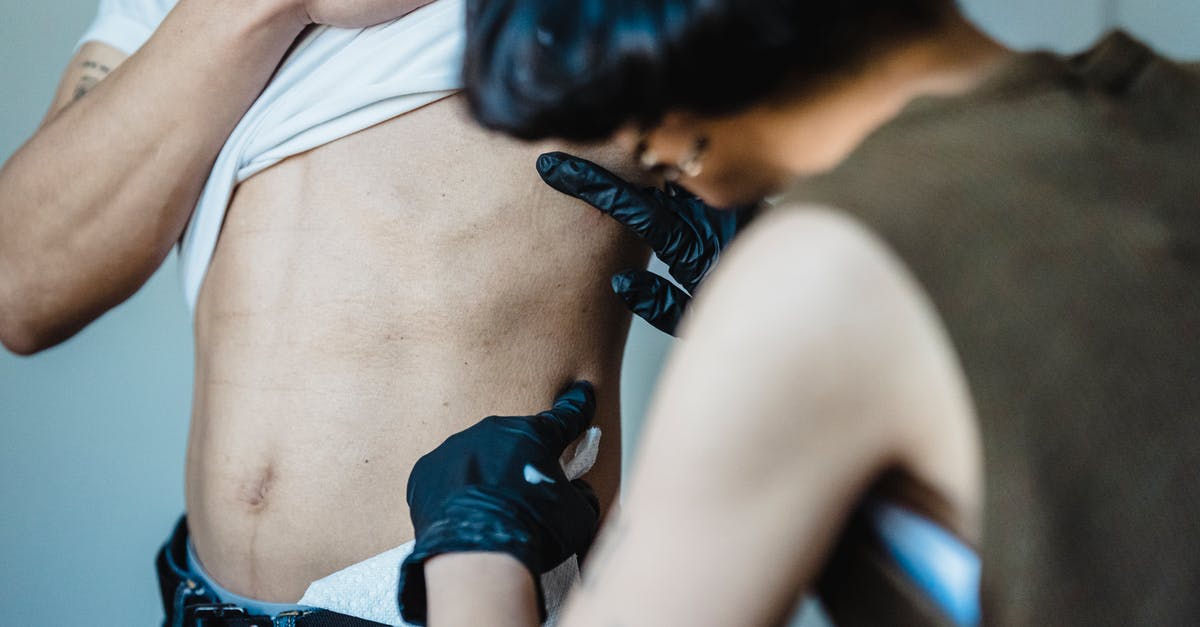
(685, 233)
(499, 487)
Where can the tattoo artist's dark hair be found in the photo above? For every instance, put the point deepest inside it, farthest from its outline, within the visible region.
(580, 69)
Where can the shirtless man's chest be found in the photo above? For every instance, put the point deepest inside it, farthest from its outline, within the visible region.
(366, 300)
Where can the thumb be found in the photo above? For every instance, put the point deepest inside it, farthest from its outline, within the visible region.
(571, 415)
(652, 297)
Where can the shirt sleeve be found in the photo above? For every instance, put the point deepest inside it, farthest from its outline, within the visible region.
(126, 24)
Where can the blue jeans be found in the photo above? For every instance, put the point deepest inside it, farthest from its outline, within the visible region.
(189, 599)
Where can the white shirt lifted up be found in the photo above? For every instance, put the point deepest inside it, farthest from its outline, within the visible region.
(335, 82)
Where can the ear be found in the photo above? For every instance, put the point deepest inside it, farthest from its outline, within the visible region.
(675, 136)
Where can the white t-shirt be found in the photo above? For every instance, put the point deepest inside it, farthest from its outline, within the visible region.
(334, 83)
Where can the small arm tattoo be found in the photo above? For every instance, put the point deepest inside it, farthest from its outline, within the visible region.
(93, 73)
(82, 88)
(99, 67)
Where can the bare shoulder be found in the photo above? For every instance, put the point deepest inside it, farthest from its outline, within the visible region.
(806, 268)
(800, 320)
(805, 303)
(813, 303)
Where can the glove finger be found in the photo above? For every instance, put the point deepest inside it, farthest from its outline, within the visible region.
(703, 233)
(652, 297)
(639, 210)
(571, 416)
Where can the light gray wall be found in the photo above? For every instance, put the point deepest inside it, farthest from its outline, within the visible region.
(1171, 25)
(1064, 25)
(92, 433)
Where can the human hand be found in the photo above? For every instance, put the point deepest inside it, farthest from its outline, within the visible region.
(499, 487)
(685, 233)
(357, 13)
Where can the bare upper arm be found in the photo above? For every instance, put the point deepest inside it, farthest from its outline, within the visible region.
(812, 365)
(815, 332)
(92, 63)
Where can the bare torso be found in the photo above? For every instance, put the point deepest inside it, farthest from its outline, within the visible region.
(366, 300)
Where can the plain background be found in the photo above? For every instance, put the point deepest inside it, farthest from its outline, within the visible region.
(92, 432)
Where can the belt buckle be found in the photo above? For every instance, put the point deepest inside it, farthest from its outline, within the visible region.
(217, 613)
(216, 610)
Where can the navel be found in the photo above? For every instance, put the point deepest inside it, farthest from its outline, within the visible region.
(255, 489)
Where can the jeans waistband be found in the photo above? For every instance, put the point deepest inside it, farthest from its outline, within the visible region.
(253, 606)
(187, 593)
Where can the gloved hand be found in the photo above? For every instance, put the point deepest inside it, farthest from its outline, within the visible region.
(685, 233)
(499, 487)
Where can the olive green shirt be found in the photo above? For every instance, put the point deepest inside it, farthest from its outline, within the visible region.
(1053, 216)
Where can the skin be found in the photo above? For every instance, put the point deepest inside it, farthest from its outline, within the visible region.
(69, 253)
(513, 603)
(785, 435)
(772, 422)
(366, 299)
(722, 467)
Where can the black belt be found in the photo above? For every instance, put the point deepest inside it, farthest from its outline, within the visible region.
(229, 615)
(187, 603)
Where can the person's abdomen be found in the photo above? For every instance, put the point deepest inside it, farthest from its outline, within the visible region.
(366, 300)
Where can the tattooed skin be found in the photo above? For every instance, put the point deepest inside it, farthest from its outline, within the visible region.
(84, 86)
(93, 73)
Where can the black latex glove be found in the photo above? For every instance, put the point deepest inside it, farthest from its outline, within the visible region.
(499, 487)
(685, 233)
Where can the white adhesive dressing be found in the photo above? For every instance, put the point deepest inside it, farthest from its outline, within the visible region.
(369, 588)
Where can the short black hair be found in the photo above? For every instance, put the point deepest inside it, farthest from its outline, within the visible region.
(581, 69)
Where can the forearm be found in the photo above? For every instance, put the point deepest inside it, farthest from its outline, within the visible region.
(480, 589)
(92, 204)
